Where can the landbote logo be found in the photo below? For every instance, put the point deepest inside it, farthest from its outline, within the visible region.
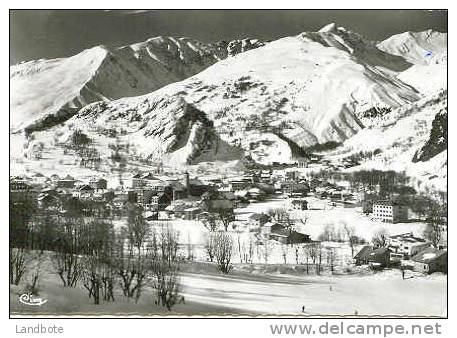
(29, 299)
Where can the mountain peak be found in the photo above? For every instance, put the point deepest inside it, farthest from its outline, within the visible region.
(332, 28)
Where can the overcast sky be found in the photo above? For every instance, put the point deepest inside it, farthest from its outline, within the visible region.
(58, 33)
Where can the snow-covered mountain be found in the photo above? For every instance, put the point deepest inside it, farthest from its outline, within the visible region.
(427, 51)
(416, 47)
(45, 92)
(268, 102)
(299, 90)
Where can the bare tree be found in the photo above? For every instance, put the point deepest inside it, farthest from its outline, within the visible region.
(433, 233)
(18, 264)
(71, 242)
(284, 251)
(130, 267)
(380, 238)
(164, 266)
(210, 246)
(138, 230)
(314, 251)
(210, 223)
(351, 237)
(98, 273)
(331, 257)
(226, 217)
(224, 250)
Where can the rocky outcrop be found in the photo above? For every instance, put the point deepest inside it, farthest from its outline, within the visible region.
(437, 141)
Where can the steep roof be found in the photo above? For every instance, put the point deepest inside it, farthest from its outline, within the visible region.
(428, 255)
(368, 253)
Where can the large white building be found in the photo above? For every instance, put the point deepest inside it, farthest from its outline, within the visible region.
(404, 246)
(389, 212)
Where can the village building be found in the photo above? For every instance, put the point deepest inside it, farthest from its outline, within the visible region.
(286, 236)
(376, 257)
(67, 182)
(257, 220)
(389, 212)
(430, 260)
(257, 194)
(22, 192)
(217, 205)
(191, 213)
(160, 201)
(48, 201)
(98, 183)
(301, 162)
(292, 187)
(84, 191)
(120, 200)
(404, 246)
(300, 204)
(151, 215)
(240, 183)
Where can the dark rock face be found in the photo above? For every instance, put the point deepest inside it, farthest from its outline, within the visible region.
(437, 141)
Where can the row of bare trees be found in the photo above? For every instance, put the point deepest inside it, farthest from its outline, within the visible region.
(89, 251)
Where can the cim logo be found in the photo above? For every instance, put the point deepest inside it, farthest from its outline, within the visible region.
(28, 299)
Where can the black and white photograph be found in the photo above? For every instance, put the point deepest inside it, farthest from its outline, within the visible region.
(228, 163)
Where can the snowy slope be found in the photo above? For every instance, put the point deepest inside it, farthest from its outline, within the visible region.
(55, 89)
(416, 47)
(427, 51)
(398, 136)
(296, 91)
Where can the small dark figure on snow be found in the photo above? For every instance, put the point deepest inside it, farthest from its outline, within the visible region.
(303, 308)
(330, 288)
(403, 274)
(182, 300)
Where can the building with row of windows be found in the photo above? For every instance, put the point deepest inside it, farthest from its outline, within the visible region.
(389, 212)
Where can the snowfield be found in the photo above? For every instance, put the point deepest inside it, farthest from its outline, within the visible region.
(381, 294)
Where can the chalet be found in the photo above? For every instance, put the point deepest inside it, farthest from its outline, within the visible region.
(265, 176)
(84, 191)
(389, 212)
(287, 236)
(151, 215)
(195, 187)
(239, 184)
(98, 183)
(162, 201)
(22, 192)
(191, 213)
(258, 220)
(120, 200)
(214, 205)
(430, 260)
(48, 201)
(179, 190)
(377, 257)
(54, 177)
(301, 162)
(176, 210)
(145, 195)
(289, 187)
(300, 204)
(66, 182)
(314, 183)
(404, 246)
(313, 158)
(257, 194)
